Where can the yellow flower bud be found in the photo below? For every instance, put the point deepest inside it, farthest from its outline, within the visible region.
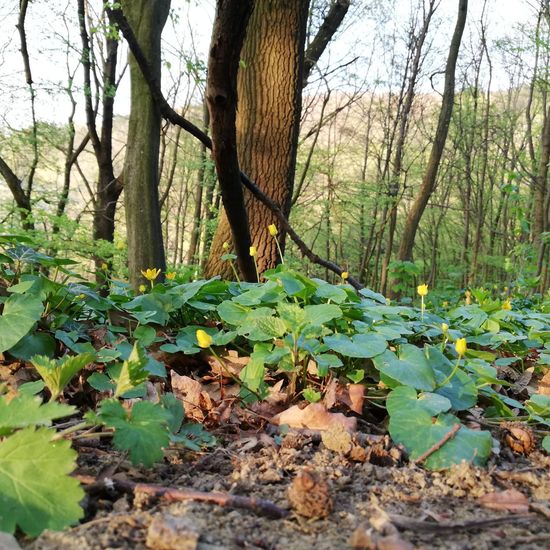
(253, 251)
(204, 339)
(444, 327)
(422, 290)
(142, 288)
(104, 266)
(171, 275)
(507, 305)
(225, 246)
(344, 275)
(468, 295)
(272, 230)
(461, 346)
(150, 274)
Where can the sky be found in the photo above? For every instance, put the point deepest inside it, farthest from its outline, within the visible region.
(53, 42)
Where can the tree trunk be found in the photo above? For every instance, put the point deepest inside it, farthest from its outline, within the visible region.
(269, 90)
(428, 182)
(141, 195)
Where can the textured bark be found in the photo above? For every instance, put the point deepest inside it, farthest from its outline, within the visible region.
(428, 182)
(108, 186)
(221, 94)
(141, 196)
(269, 90)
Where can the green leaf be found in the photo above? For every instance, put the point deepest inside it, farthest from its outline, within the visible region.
(411, 368)
(31, 388)
(38, 343)
(20, 313)
(174, 407)
(359, 345)
(272, 326)
(25, 410)
(143, 432)
(322, 313)
(414, 425)
(232, 313)
(57, 374)
(133, 371)
(312, 395)
(101, 382)
(36, 492)
(546, 443)
(146, 335)
(539, 405)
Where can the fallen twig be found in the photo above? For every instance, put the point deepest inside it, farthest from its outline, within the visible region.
(404, 522)
(259, 506)
(438, 445)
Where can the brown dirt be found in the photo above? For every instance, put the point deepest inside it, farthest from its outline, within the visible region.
(253, 465)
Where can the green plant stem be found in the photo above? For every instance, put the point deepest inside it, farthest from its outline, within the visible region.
(451, 375)
(279, 249)
(256, 266)
(72, 429)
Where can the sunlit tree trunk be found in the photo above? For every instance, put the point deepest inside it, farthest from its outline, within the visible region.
(141, 196)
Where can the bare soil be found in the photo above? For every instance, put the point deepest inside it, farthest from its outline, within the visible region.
(362, 492)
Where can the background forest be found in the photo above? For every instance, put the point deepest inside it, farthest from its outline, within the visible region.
(358, 91)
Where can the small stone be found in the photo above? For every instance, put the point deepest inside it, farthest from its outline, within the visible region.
(168, 532)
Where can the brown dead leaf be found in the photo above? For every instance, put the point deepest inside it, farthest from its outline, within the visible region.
(510, 500)
(315, 416)
(544, 383)
(330, 394)
(232, 364)
(357, 397)
(364, 538)
(196, 401)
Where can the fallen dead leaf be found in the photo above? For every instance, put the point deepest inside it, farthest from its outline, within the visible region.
(364, 538)
(357, 397)
(544, 383)
(337, 439)
(196, 401)
(315, 416)
(510, 500)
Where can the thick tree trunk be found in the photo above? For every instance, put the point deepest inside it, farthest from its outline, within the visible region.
(268, 118)
(428, 182)
(141, 196)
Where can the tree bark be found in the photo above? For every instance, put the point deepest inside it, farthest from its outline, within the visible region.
(228, 36)
(141, 195)
(429, 180)
(269, 89)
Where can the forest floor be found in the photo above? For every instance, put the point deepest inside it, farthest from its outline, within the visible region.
(378, 501)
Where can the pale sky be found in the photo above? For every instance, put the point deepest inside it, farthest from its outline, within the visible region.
(189, 32)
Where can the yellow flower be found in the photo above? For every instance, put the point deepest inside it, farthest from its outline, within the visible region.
(81, 297)
(104, 266)
(444, 327)
(150, 274)
(422, 290)
(344, 275)
(272, 230)
(204, 339)
(507, 305)
(225, 246)
(445, 304)
(142, 288)
(468, 299)
(461, 346)
(170, 275)
(253, 251)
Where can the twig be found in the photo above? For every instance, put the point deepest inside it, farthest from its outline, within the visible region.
(257, 505)
(438, 445)
(403, 522)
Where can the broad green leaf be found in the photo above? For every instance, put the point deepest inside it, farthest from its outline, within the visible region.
(413, 424)
(36, 491)
(37, 343)
(145, 334)
(311, 395)
(331, 292)
(293, 315)
(58, 373)
(272, 326)
(322, 313)
(27, 410)
(21, 311)
(143, 432)
(232, 313)
(461, 389)
(546, 443)
(101, 382)
(133, 371)
(31, 388)
(359, 345)
(174, 407)
(411, 368)
(539, 405)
